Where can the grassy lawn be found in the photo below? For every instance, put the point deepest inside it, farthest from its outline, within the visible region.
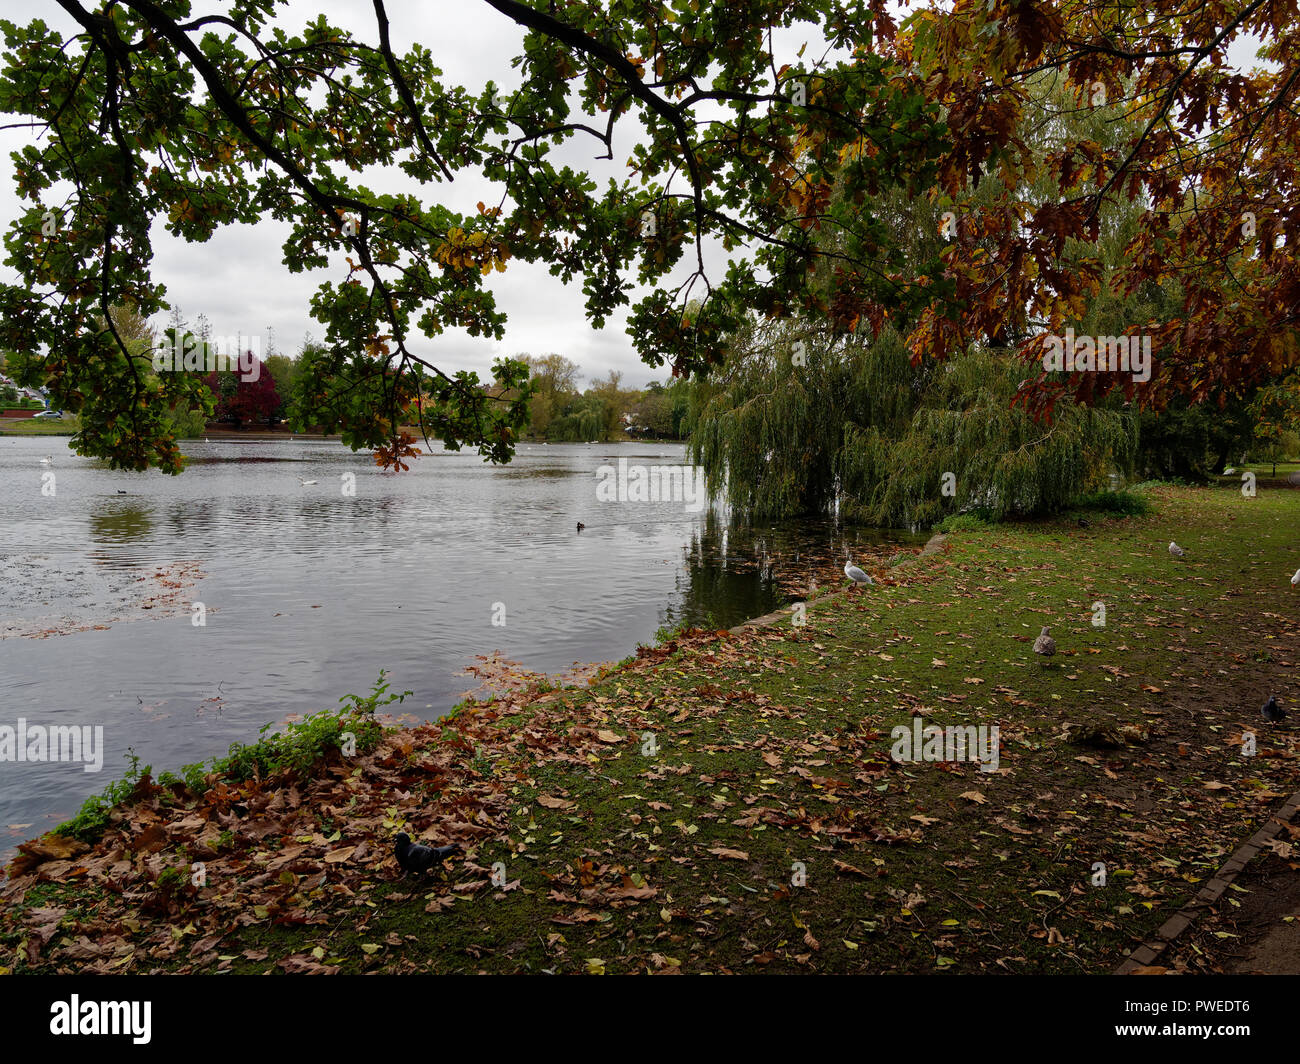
(46, 426)
(730, 803)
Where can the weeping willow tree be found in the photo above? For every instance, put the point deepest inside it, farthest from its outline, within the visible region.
(805, 425)
(772, 428)
(966, 447)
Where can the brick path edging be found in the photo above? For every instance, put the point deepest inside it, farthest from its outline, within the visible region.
(1149, 951)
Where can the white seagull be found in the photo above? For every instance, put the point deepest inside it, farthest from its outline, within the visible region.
(48, 460)
(304, 483)
(856, 575)
(1176, 550)
(1295, 580)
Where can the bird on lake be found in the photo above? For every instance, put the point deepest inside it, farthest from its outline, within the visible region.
(416, 858)
(305, 483)
(1272, 711)
(1176, 550)
(1045, 644)
(581, 526)
(48, 460)
(856, 575)
(1295, 580)
(120, 491)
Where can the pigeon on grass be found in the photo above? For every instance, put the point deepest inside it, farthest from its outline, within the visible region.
(1176, 550)
(1272, 711)
(1044, 644)
(418, 859)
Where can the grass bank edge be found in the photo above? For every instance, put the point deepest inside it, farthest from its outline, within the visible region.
(304, 744)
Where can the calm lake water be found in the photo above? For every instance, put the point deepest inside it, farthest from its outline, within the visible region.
(309, 592)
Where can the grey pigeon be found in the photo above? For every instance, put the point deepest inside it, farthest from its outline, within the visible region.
(1044, 644)
(1176, 550)
(1272, 711)
(416, 858)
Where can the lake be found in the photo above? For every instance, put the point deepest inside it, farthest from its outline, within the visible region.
(307, 591)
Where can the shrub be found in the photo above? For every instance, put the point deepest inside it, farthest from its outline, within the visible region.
(1115, 502)
(295, 749)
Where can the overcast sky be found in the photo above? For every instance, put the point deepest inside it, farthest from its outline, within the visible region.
(237, 279)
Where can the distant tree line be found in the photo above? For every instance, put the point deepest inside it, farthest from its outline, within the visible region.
(605, 411)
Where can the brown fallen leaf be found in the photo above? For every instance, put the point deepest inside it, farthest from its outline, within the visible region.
(723, 851)
(552, 802)
(303, 964)
(973, 796)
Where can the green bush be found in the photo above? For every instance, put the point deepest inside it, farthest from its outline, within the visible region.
(1172, 482)
(1115, 502)
(295, 749)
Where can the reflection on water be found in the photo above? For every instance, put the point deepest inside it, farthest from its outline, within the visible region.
(733, 571)
(120, 523)
(309, 590)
